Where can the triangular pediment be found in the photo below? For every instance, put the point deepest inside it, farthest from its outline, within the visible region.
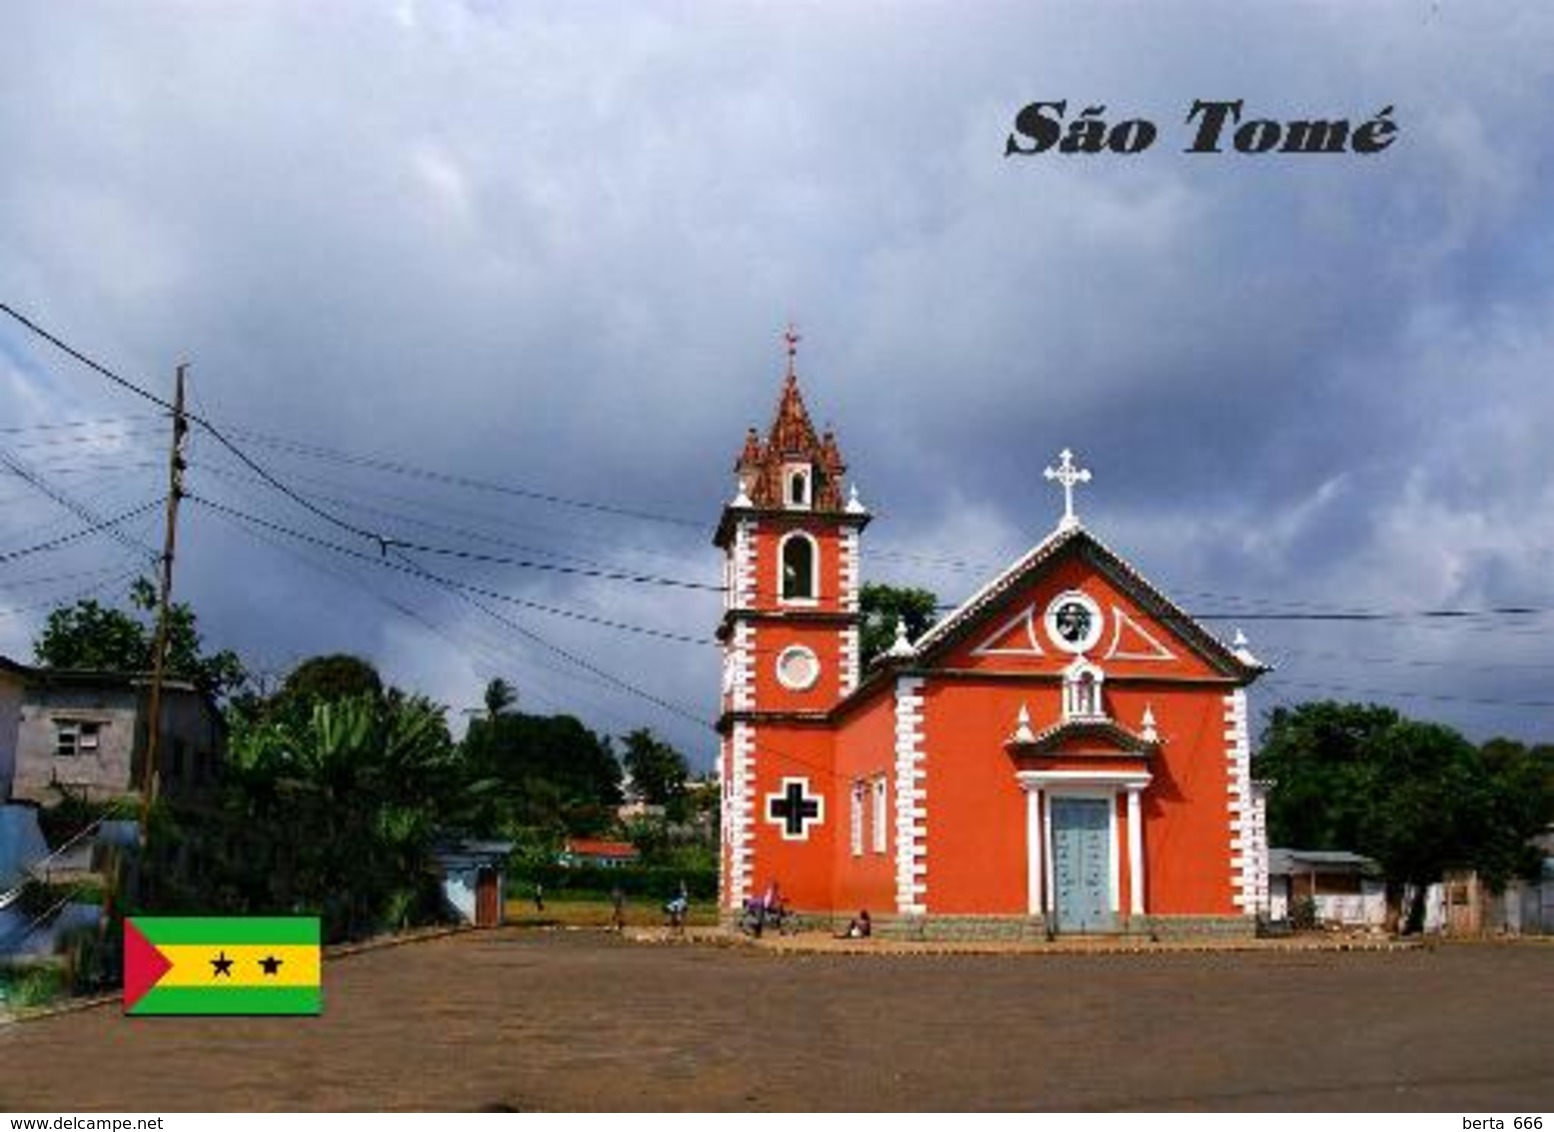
(1072, 595)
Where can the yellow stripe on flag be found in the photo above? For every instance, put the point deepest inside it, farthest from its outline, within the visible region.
(244, 964)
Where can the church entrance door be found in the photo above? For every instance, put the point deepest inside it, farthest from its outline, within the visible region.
(1081, 864)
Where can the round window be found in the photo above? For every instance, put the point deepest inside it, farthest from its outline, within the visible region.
(797, 668)
(1073, 622)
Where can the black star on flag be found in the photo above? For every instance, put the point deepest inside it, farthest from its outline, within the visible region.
(271, 964)
(222, 965)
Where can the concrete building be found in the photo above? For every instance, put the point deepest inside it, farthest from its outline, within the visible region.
(85, 733)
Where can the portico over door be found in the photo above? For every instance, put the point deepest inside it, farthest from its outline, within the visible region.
(1076, 847)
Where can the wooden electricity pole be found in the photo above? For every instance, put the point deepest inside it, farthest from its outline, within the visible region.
(175, 467)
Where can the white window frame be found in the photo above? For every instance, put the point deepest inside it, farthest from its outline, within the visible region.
(880, 791)
(781, 668)
(84, 736)
(814, 568)
(791, 473)
(860, 787)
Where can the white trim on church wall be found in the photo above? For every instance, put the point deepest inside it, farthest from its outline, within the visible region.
(848, 573)
(849, 659)
(1120, 622)
(741, 814)
(1238, 754)
(911, 800)
(1026, 620)
(744, 563)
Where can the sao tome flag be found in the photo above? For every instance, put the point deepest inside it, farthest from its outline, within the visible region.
(222, 965)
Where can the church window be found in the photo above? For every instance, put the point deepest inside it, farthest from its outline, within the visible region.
(798, 668)
(881, 790)
(799, 559)
(1073, 622)
(799, 491)
(860, 790)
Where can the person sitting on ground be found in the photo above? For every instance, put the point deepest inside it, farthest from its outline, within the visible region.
(859, 928)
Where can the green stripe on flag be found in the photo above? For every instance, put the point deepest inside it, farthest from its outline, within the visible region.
(230, 1000)
(220, 930)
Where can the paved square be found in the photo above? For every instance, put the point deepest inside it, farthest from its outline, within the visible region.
(580, 1020)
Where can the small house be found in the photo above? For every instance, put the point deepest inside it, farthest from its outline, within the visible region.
(579, 851)
(473, 880)
(1348, 889)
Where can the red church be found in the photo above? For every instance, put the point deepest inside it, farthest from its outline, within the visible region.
(1066, 752)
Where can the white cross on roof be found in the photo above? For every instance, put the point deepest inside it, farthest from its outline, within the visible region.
(1068, 475)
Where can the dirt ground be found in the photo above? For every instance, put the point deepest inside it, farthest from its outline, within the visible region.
(527, 1020)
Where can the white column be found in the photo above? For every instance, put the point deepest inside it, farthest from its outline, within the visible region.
(1046, 839)
(1135, 851)
(1033, 849)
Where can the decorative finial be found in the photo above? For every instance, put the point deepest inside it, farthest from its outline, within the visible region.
(1022, 727)
(901, 647)
(792, 337)
(741, 499)
(1243, 650)
(1149, 734)
(1068, 475)
(854, 504)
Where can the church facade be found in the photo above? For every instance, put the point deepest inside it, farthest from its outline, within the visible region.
(1066, 752)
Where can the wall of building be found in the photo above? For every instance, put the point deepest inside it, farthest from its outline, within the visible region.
(801, 866)
(865, 753)
(103, 773)
(190, 745)
(977, 819)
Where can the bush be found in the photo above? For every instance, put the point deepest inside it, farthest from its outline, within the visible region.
(33, 985)
(1303, 913)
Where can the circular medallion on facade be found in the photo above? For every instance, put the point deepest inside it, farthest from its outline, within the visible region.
(797, 668)
(1073, 622)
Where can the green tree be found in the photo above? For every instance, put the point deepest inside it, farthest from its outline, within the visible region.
(335, 815)
(1417, 797)
(89, 635)
(883, 606)
(329, 677)
(500, 697)
(658, 772)
(547, 772)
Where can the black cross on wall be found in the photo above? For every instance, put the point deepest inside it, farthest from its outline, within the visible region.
(794, 808)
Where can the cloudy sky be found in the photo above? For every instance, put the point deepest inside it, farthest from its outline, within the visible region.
(423, 259)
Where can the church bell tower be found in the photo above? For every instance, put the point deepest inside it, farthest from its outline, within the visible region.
(790, 646)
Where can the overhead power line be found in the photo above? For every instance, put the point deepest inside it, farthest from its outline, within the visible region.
(399, 467)
(80, 510)
(76, 536)
(416, 570)
(476, 556)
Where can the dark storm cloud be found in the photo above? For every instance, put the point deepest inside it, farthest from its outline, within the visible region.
(554, 246)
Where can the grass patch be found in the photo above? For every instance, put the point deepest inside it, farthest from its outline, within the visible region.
(32, 985)
(599, 913)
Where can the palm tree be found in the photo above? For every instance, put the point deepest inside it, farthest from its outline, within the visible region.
(500, 697)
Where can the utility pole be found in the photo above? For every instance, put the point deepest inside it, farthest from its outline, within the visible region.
(175, 469)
